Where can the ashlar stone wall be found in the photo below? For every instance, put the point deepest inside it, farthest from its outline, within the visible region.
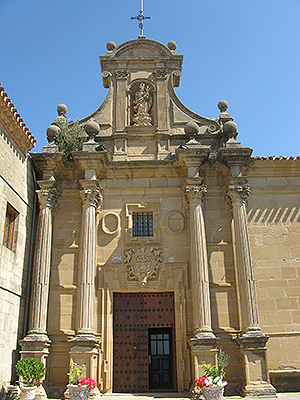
(16, 188)
(274, 226)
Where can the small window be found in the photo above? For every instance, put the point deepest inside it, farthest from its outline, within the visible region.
(9, 228)
(142, 224)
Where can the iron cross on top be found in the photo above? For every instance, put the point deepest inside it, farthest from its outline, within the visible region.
(141, 18)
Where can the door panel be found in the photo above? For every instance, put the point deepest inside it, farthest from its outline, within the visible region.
(134, 314)
(160, 359)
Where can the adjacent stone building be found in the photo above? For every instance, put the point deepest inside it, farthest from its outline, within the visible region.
(162, 241)
(16, 214)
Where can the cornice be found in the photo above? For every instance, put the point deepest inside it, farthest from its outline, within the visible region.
(14, 124)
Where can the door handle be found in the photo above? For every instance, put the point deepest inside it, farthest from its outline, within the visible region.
(149, 359)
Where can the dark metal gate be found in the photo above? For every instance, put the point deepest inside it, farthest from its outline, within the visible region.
(135, 315)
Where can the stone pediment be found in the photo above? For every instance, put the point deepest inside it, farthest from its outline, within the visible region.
(142, 118)
(141, 48)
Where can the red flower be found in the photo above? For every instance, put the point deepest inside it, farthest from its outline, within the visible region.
(87, 381)
(200, 382)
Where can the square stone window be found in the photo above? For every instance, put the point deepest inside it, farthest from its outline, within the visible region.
(142, 223)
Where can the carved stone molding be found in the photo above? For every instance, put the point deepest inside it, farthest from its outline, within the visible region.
(122, 74)
(194, 193)
(175, 223)
(143, 263)
(239, 192)
(111, 223)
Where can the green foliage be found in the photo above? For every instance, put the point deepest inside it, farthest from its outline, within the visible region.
(70, 138)
(217, 370)
(110, 155)
(30, 370)
(75, 372)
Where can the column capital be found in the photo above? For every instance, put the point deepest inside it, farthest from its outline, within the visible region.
(194, 193)
(161, 73)
(122, 74)
(91, 194)
(239, 192)
(47, 194)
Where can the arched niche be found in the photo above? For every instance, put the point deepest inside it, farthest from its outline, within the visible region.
(133, 88)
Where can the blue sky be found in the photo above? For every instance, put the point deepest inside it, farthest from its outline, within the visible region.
(246, 52)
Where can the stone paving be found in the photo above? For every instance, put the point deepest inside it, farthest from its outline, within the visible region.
(185, 396)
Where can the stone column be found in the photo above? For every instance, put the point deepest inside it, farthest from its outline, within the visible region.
(252, 341)
(90, 197)
(238, 194)
(203, 342)
(36, 343)
(84, 346)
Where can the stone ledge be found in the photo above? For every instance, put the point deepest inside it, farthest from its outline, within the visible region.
(286, 380)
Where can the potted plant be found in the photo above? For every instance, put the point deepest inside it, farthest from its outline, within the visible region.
(30, 370)
(213, 382)
(79, 386)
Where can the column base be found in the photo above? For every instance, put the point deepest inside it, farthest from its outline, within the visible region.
(36, 345)
(84, 350)
(265, 390)
(203, 348)
(205, 338)
(252, 344)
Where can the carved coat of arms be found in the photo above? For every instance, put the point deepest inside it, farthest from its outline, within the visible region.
(143, 263)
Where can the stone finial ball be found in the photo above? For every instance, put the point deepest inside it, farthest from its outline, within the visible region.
(110, 45)
(62, 109)
(230, 127)
(92, 128)
(172, 45)
(52, 132)
(222, 105)
(191, 128)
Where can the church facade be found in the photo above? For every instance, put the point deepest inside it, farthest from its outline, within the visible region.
(163, 241)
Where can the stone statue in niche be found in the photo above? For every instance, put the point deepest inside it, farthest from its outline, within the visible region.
(142, 105)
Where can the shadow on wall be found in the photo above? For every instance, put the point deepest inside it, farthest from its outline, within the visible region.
(274, 215)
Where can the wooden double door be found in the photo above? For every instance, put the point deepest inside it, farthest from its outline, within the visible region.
(144, 345)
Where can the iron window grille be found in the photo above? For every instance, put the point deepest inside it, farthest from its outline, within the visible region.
(142, 224)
